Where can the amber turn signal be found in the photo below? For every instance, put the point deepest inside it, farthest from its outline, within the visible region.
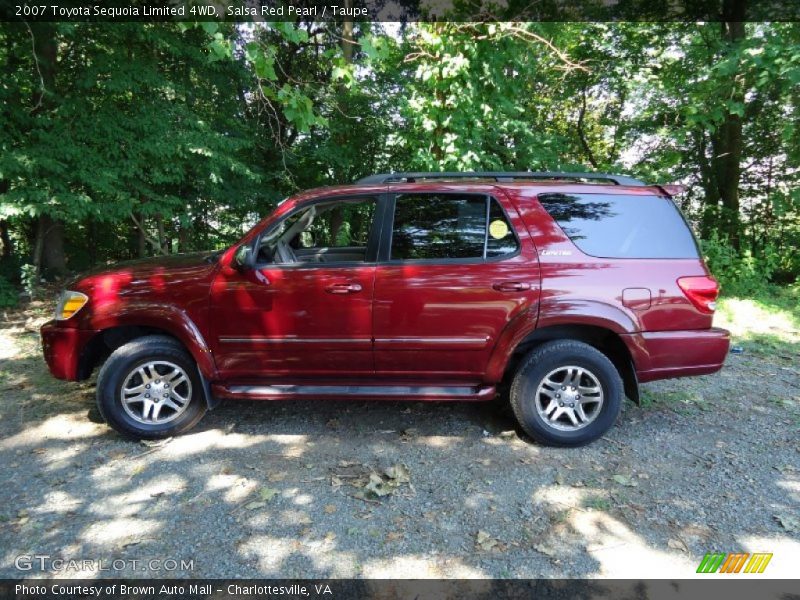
(69, 303)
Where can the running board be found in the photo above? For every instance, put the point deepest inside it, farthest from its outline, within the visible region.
(355, 392)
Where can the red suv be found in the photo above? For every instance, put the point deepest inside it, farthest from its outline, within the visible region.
(569, 287)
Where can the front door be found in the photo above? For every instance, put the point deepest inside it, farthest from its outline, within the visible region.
(306, 309)
(456, 269)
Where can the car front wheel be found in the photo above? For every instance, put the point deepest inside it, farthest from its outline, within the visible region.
(566, 393)
(150, 388)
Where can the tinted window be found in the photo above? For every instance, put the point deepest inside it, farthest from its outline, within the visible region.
(341, 224)
(438, 226)
(622, 226)
(501, 239)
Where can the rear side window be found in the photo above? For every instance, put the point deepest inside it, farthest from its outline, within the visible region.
(622, 226)
(450, 226)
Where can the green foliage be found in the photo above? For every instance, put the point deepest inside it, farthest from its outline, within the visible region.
(30, 279)
(195, 131)
(740, 274)
(9, 295)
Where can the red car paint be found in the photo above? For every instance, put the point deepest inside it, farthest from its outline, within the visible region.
(406, 324)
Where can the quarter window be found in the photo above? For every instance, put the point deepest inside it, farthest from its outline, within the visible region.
(622, 226)
(450, 226)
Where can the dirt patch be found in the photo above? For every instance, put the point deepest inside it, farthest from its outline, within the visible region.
(387, 489)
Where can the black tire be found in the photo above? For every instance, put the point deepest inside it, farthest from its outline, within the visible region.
(124, 362)
(547, 359)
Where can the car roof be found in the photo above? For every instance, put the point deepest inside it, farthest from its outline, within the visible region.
(524, 188)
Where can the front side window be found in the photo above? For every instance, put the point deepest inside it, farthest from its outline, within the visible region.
(450, 226)
(327, 232)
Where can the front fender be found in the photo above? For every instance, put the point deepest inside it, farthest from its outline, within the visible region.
(167, 318)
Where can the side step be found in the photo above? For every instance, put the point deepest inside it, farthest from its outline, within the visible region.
(355, 392)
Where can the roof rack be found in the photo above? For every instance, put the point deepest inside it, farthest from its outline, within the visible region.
(499, 176)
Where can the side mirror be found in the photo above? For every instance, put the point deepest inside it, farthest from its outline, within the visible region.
(242, 258)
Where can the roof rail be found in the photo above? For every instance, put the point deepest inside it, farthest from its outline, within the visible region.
(500, 176)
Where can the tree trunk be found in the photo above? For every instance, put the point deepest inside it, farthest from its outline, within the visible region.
(162, 240)
(141, 240)
(729, 142)
(91, 230)
(50, 242)
(8, 248)
(347, 35)
(184, 236)
(50, 237)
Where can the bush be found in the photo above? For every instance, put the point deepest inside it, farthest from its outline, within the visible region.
(9, 294)
(740, 274)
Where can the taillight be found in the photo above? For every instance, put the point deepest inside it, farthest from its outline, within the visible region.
(701, 291)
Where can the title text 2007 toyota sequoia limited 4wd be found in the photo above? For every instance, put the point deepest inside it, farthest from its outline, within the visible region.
(570, 287)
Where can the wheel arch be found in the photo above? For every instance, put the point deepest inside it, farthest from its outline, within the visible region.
(120, 328)
(603, 339)
(105, 341)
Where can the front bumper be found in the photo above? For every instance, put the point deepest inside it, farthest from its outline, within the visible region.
(667, 354)
(62, 348)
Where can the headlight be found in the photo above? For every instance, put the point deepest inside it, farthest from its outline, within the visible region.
(69, 303)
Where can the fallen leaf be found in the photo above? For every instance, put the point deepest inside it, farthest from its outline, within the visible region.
(546, 550)
(254, 505)
(677, 545)
(267, 493)
(408, 434)
(378, 486)
(280, 476)
(789, 522)
(330, 536)
(329, 509)
(559, 478)
(485, 542)
(624, 480)
(399, 473)
(393, 536)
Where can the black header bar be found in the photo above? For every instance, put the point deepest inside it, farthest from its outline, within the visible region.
(399, 10)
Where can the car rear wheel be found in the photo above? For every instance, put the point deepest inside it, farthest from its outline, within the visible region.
(566, 393)
(150, 388)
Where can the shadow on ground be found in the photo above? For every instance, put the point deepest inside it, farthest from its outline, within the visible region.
(284, 489)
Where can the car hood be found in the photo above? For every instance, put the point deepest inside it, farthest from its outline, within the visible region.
(146, 273)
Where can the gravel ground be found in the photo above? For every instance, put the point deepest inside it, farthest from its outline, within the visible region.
(340, 489)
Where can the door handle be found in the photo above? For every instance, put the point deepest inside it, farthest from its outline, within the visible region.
(512, 286)
(343, 288)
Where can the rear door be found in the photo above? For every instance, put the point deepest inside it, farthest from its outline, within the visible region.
(455, 269)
